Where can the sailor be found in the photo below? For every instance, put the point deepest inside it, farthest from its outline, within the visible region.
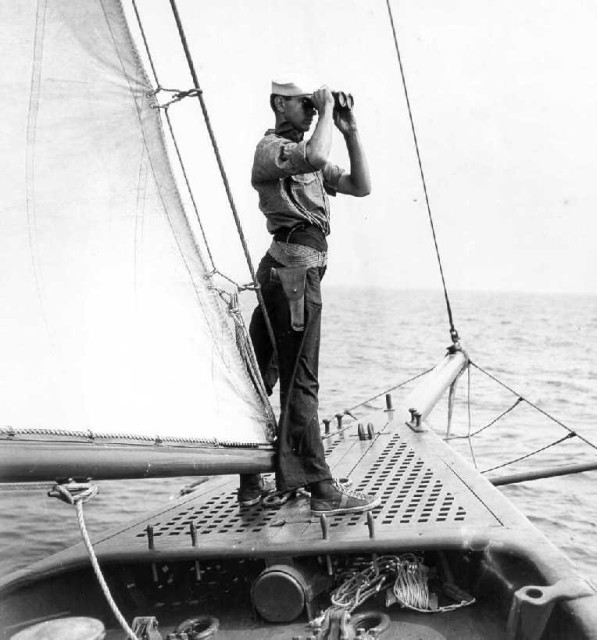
(293, 178)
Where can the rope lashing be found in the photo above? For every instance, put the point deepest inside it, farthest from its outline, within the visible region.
(453, 332)
(178, 95)
(76, 494)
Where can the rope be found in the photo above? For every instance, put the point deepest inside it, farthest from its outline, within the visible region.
(453, 332)
(381, 393)
(76, 494)
(542, 411)
(490, 424)
(188, 185)
(405, 577)
(223, 174)
(247, 350)
(244, 346)
(528, 455)
(469, 436)
(470, 442)
(145, 44)
(362, 585)
(174, 141)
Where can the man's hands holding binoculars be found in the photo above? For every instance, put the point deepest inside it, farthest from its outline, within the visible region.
(340, 102)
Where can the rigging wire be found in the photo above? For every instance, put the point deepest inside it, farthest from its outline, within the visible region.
(490, 424)
(469, 436)
(174, 139)
(528, 455)
(453, 332)
(381, 393)
(223, 174)
(470, 421)
(245, 349)
(542, 411)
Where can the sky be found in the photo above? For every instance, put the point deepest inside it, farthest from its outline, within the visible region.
(503, 96)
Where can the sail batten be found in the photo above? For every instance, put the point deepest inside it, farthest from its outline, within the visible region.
(108, 322)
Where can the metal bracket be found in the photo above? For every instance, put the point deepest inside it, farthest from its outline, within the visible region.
(415, 422)
(532, 606)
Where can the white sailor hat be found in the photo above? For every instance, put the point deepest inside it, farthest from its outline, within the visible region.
(292, 87)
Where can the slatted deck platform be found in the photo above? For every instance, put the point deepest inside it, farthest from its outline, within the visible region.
(428, 494)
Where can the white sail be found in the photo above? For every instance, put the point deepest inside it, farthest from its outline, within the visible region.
(107, 322)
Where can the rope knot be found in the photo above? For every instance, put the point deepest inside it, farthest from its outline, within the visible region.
(73, 492)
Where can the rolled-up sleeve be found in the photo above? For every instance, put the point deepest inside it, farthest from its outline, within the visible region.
(331, 176)
(277, 158)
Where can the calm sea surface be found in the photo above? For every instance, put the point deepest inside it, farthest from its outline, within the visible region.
(543, 347)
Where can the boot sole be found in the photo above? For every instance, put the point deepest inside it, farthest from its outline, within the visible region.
(249, 503)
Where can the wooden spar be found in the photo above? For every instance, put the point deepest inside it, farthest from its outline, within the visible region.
(28, 459)
(34, 461)
(426, 395)
(545, 472)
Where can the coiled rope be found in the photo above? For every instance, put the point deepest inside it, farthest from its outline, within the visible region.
(76, 493)
(453, 332)
(405, 576)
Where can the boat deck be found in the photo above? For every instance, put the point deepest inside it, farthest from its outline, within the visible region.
(429, 496)
(424, 490)
(172, 561)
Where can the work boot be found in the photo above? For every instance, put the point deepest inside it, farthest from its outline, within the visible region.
(330, 498)
(252, 488)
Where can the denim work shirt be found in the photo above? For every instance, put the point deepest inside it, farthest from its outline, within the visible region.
(290, 190)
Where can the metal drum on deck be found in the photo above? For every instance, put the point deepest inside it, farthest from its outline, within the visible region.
(64, 629)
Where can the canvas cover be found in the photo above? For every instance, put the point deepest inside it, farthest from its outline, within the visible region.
(106, 319)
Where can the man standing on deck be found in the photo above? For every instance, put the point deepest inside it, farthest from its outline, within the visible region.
(293, 178)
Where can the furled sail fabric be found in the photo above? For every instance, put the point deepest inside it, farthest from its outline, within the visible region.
(107, 322)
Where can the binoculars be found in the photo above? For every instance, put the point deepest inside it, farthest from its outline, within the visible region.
(342, 101)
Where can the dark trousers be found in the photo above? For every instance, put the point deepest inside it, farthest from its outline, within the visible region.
(300, 458)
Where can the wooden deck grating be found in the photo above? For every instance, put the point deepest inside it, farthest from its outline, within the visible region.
(420, 492)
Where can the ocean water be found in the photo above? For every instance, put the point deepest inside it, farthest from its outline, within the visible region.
(543, 347)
